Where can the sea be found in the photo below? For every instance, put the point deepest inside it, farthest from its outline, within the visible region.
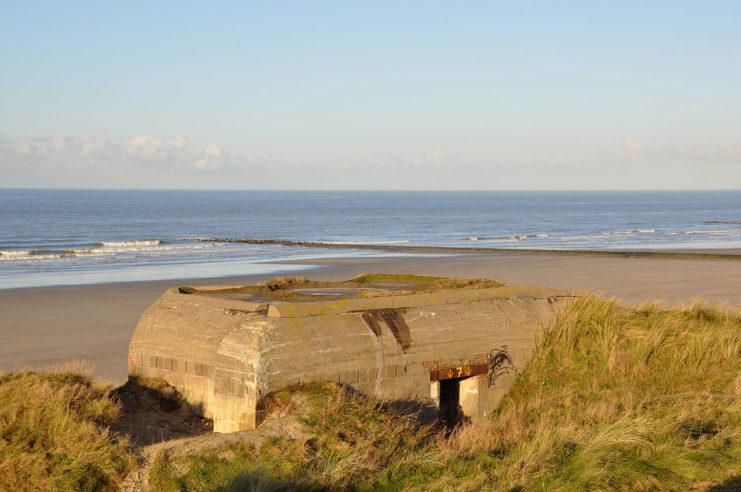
(67, 237)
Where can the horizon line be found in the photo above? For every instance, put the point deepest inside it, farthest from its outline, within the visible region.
(403, 190)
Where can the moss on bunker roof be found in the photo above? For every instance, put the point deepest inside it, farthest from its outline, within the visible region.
(301, 289)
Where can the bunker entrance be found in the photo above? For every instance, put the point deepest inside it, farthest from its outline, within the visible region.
(459, 390)
(450, 411)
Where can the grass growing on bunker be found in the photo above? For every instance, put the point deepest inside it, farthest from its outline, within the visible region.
(429, 281)
(615, 398)
(54, 434)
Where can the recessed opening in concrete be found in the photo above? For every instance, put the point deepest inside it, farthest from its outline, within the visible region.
(451, 413)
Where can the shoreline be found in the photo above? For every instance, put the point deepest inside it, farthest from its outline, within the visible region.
(726, 254)
(43, 327)
(384, 251)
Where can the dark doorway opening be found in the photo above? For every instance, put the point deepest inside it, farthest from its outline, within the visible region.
(450, 397)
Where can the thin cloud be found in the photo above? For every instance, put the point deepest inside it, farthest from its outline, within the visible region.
(716, 153)
(437, 158)
(212, 158)
(632, 146)
(78, 152)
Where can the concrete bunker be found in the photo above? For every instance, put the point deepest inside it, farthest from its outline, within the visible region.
(453, 345)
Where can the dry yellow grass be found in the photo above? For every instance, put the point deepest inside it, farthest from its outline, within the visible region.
(54, 434)
(615, 398)
(619, 398)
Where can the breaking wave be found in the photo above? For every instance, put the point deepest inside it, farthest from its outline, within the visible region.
(404, 241)
(148, 242)
(514, 237)
(129, 249)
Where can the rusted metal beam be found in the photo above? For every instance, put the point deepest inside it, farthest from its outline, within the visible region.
(452, 372)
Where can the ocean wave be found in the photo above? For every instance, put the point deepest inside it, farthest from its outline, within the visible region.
(35, 254)
(257, 243)
(146, 242)
(578, 238)
(404, 241)
(516, 237)
(686, 232)
(646, 231)
(706, 231)
(111, 249)
(13, 254)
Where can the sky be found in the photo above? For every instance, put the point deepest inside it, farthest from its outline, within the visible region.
(371, 95)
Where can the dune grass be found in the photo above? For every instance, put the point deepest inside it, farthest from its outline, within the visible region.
(355, 439)
(54, 434)
(621, 399)
(615, 398)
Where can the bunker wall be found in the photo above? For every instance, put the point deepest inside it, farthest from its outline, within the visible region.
(179, 339)
(345, 349)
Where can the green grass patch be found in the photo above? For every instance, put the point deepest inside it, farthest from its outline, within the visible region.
(395, 278)
(428, 281)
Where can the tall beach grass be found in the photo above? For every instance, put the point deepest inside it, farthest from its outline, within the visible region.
(54, 434)
(615, 398)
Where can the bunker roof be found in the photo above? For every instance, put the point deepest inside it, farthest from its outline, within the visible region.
(365, 286)
(295, 297)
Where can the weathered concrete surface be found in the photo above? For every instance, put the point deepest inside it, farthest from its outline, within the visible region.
(226, 355)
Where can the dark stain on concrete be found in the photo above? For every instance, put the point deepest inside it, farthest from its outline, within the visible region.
(396, 323)
(372, 323)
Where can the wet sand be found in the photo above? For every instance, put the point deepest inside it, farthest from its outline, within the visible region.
(48, 326)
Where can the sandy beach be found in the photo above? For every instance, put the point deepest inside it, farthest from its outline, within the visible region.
(49, 326)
